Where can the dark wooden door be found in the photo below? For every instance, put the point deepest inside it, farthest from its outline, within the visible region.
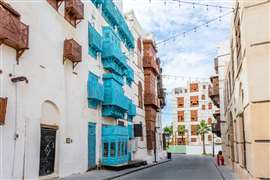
(47, 151)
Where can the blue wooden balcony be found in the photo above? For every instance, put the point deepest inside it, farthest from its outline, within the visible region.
(115, 103)
(113, 58)
(125, 34)
(114, 17)
(95, 91)
(94, 41)
(131, 110)
(130, 75)
(114, 145)
(97, 3)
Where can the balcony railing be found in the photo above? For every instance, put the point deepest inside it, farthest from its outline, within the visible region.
(113, 58)
(3, 107)
(94, 41)
(95, 91)
(74, 11)
(150, 62)
(13, 32)
(115, 102)
(72, 51)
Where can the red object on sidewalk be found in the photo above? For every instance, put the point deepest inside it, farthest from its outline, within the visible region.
(220, 160)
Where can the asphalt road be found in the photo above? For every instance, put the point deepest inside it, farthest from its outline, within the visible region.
(182, 167)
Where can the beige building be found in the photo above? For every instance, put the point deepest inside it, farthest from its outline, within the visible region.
(246, 130)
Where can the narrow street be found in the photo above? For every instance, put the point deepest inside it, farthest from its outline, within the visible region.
(181, 167)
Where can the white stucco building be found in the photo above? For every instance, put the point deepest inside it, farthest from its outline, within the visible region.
(73, 94)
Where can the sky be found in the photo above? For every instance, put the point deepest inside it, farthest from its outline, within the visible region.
(189, 57)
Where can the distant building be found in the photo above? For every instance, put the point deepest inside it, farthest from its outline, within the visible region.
(191, 105)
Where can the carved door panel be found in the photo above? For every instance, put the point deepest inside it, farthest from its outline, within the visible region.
(47, 151)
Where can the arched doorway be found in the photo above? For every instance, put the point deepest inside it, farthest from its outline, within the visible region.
(50, 118)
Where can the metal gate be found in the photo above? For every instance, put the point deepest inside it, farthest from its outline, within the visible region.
(47, 151)
(91, 145)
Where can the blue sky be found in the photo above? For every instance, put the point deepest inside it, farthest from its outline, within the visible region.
(189, 56)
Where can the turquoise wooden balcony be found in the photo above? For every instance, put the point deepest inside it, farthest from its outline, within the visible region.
(131, 110)
(115, 103)
(94, 41)
(130, 75)
(110, 13)
(95, 91)
(112, 57)
(125, 34)
(97, 3)
(114, 145)
(130, 131)
(114, 17)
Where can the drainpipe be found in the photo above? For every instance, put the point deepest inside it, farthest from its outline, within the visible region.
(1, 129)
(16, 136)
(99, 122)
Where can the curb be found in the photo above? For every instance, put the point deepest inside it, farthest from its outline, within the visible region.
(219, 171)
(138, 169)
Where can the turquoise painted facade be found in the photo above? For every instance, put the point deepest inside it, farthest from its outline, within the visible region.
(94, 41)
(114, 145)
(95, 91)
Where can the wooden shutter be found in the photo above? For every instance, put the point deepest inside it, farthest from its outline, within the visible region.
(194, 115)
(194, 87)
(194, 100)
(180, 102)
(3, 107)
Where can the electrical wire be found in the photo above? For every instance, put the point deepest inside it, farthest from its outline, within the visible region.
(194, 29)
(193, 4)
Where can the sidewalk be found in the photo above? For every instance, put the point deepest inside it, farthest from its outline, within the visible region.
(225, 171)
(108, 174)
